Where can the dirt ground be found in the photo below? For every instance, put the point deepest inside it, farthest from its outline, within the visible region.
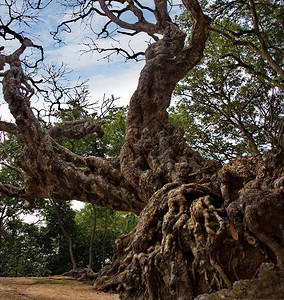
(47, 288)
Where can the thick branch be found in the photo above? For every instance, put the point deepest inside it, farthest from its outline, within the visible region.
(161, 12)
(9, 127)
(12, 191)
(191, 55)
(114, 50)
(57, 174)
(88, 128)
(14, 57)
(140, 26)
(81, 16)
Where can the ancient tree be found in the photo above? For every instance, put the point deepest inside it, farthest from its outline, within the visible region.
(202, 226)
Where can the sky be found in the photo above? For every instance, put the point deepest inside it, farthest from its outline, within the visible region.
(116, 77)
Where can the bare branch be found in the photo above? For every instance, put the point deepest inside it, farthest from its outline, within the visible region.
(39, 4)
(252, 70)
(93, 47)
(82, 127)
(81, 16)
(140, 26)
(5, 31)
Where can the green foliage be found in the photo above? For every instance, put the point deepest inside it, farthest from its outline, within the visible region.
(9, 146)
(20, 251)
(252, 33)
(107, 146)
(228, 110)
(54, 243)
(109, 225)
(114, 129)
(9, 207)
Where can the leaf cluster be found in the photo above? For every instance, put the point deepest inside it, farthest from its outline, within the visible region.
(228, 110)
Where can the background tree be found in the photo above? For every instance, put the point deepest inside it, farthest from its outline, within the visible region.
(92, 238)
(20, 243)
(246, 27)
(9, 208)
(21, 250)
(183, 245)
(118, 223)
(55, 245)
(226, 108)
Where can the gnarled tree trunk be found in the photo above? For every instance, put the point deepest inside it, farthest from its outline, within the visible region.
(202, 226)
(197, 237)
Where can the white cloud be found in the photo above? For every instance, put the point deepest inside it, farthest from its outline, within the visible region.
(121, 83)
(115, 77)
(75, 56)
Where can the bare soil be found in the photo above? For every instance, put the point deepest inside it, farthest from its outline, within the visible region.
(47, 288)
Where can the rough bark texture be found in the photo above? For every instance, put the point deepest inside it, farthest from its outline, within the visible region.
(202, 226)
(194, 238)
(268, 285)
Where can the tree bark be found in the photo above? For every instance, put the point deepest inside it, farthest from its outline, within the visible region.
(198, 237)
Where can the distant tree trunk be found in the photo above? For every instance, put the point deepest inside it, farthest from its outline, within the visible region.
(17, 265)
(67, 236)
(104, 239)
(1, 224)
(92, 237)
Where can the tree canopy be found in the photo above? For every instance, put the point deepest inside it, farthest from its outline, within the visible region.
(228, 106)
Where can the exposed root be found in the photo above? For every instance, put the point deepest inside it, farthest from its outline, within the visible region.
(86, 275)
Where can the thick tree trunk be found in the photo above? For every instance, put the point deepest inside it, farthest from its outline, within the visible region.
(198, 237)
(202, 226)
